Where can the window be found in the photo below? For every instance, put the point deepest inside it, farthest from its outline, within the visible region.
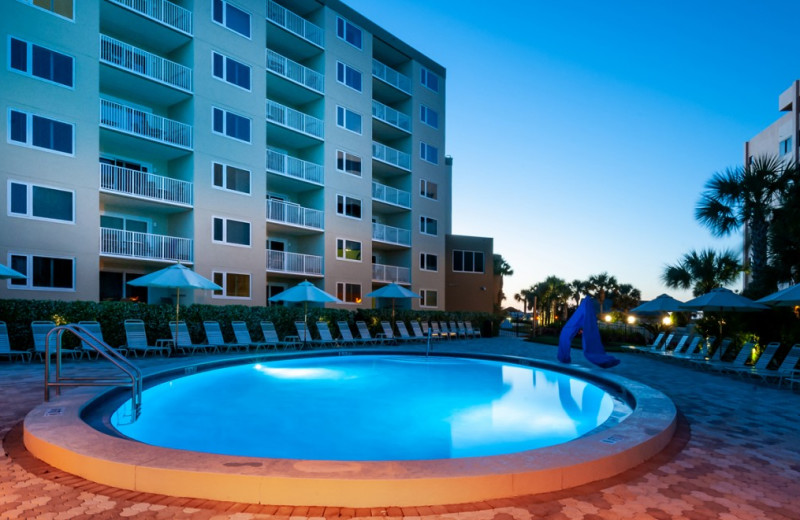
(428, 226)
(348, 119)
(232, 125)
(59, 7)
(785, 146)
(230, 70)
(428, 189)
(234, 285)
(40, 62)
(429, 298)
(348, 163)
(428, 153)
(231, 17)
(40, 132)
(468, 261)
(348, 32)
(348, 249)
(348, 292)
(429, 116)
(429, 79)
(349, 76)
(230, 178)
(428, 262)
(43, 272)
(230, 231)
(30, 200)
(348, 206)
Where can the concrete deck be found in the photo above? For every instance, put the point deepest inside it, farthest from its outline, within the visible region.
(736, 455)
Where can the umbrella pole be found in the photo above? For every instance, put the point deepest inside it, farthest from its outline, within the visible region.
(177, 314)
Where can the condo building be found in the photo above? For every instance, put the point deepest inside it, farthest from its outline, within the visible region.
(781, 137)
(259, 142)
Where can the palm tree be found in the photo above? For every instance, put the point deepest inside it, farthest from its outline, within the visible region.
(702, 271)
(746, 197)
(501, 269)
(626, 297)
(599, 286)
(784, 237)
(578, 288)
(552, 293)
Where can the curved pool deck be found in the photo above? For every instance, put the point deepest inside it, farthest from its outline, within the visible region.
(55, 433)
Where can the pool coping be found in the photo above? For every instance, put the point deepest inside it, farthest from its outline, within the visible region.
(56, 433)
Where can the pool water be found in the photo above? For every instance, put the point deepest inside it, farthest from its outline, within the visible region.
(362, 408)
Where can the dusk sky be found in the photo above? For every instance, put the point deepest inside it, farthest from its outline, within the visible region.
(582, 132)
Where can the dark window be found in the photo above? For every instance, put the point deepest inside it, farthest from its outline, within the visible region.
(19, 126)
(52, 135)
(19, 55)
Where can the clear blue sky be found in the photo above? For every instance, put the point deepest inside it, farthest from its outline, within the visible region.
(582, 132)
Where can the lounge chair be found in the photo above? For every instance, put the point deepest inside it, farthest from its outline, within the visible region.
(678, 350)
(689, 351)
(388, 333)
(654, 345)
(271, 337)
(136, 339)
(662, 348)
(431, 329)
(40, 330)
(325, 336)
(787, 371)
(403, 331)
(214, 337)
(306, 338)
(183, 343)
(363, 331)
(462, 330)
(475, 333)
(417, 330)
(346, 334)
(744, 355)
(451, 334)
(5, 346)
(93, 347)
(458, 333)
(242, 335)
(759, 368)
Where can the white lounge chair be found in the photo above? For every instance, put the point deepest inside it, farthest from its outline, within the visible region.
(363, 331)
(5, 346)
(40, 330)
(271, 337)
(242, 335)
(325, 336)
(136, 340)
(347, 335)
(214, 337)
(183, 342)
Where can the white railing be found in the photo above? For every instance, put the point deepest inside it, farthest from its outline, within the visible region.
(282, 164)
(295, 214)
(392, 235)
(144, 124)
(131, 244)
(296, 24)
(143, 63)
(390, 273)
(294, 119)
(293, 71)
(390, 116)
(146, 185)
(391, 156)
(391, 195)
(161, 11)
(284, 262)
(391, 76)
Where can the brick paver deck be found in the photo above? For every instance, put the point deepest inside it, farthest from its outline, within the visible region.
(736, 455)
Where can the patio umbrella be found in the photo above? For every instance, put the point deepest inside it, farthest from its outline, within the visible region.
(7, 272)
(393, 291)
(723, 300)
(176, 277)
(662, 303)
(304, 292)
(788, 297)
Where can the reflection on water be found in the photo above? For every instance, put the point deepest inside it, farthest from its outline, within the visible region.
(369, 408)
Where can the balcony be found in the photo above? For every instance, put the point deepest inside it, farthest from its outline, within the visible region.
(295, 120)
(391, 235)
(390, 195)
(149, 126)
(391, 77)
(294, 263)
(145, 246)
(134, 183)
(391, 274)
(288, 166)
(293, 214)
(161, 11)
(295, 24)
(391, 116)
(145, 64)
(294, 72)
(390, 156)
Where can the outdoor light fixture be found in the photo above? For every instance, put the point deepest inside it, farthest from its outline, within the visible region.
(608, 318)
(667, 320)
(631, 320)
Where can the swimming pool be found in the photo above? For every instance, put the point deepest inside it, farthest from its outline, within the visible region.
(369, 408)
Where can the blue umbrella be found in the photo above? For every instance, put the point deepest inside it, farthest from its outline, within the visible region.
(662, 303)
(788, 297)
(304, 292)
(392, 291)
(7, 272)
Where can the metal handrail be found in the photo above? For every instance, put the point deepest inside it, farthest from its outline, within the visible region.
(103, 349)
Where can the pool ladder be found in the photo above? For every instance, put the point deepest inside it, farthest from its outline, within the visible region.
(132, 377)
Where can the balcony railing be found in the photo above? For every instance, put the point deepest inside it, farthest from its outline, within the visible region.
(282, 164)
(297, 263)
(145, 246)
(293, 71)
(145, 185)
(391, 156)
(162, 11)
(391, 76)
(391, 235)
(390, 273)
(143, 63)
(294, 214)
(295, 23)
(391, 195)
(390, 116)
(144, 124)
(294, 119)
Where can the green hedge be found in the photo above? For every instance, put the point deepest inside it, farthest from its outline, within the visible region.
(18, 315)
